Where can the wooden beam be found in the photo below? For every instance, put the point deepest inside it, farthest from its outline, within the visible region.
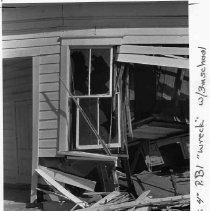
(160, 39)
(70, 179)
(108, 32)
(134, 49)
(95, 41)
(60, 188)
(153, 60)
(35, 131)
(93, 156)
(64, 96)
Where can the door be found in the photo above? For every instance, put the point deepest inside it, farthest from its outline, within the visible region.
(23, 120)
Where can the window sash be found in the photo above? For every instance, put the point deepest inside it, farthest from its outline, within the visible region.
(98, 145)
(109, 94)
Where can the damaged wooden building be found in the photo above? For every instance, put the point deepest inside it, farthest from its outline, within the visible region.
(92, 91)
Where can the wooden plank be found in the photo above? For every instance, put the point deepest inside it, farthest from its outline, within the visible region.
(49, 105)
(46, 78)
(91, 41)
(152, 60)
(64, 96)
(32, 51)
(48, 143)
(70, 179)
(11, 53)
(155, 40)
(50, 68)
(143, 197)
(134, 49)
(107, 198)
(60, 188)
(45, 96)
(13, 44)
(108, 32)
(85, 155)
(48, 133)
(46, 87)
(35, 130)
(131, 204)
(48, 152)
(48, 115)
(49, 124)
(50, 59)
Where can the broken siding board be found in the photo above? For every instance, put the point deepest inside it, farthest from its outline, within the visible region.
(152, 60)
(26, 43)
(155, 40)
(107, 198)
(134, 49)
(70, 179)
(60, 188)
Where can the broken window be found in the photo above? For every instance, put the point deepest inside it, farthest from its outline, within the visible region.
(91, 72)
(91, 86)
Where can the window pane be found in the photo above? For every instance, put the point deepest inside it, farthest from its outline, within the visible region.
(105, 119)
(86, 136)
(100, 71)
(79, 71)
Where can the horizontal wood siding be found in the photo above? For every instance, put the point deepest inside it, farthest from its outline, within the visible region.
(38, 28)
(49, 101)
(40, 18)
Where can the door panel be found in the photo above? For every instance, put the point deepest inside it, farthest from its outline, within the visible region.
(9, 144)
(24, 140)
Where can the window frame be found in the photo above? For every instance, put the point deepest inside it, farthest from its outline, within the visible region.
(64, 132)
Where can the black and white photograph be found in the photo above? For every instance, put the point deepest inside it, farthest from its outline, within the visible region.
(96, 106)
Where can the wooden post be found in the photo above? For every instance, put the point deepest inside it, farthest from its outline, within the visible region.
(35, 130)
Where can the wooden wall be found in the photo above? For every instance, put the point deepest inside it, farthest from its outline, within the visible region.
(29, 18)
(29, 27)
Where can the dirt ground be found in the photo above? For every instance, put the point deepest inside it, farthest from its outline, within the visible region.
(16, 199)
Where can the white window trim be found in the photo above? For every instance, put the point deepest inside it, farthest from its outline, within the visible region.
(99, 146)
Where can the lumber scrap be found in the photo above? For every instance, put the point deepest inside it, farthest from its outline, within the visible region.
(148, 50)
(70, 179)
(128, 205)
(141, 199)
(87, 155)
(107, 198)
(60, 188)
(153, 60)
